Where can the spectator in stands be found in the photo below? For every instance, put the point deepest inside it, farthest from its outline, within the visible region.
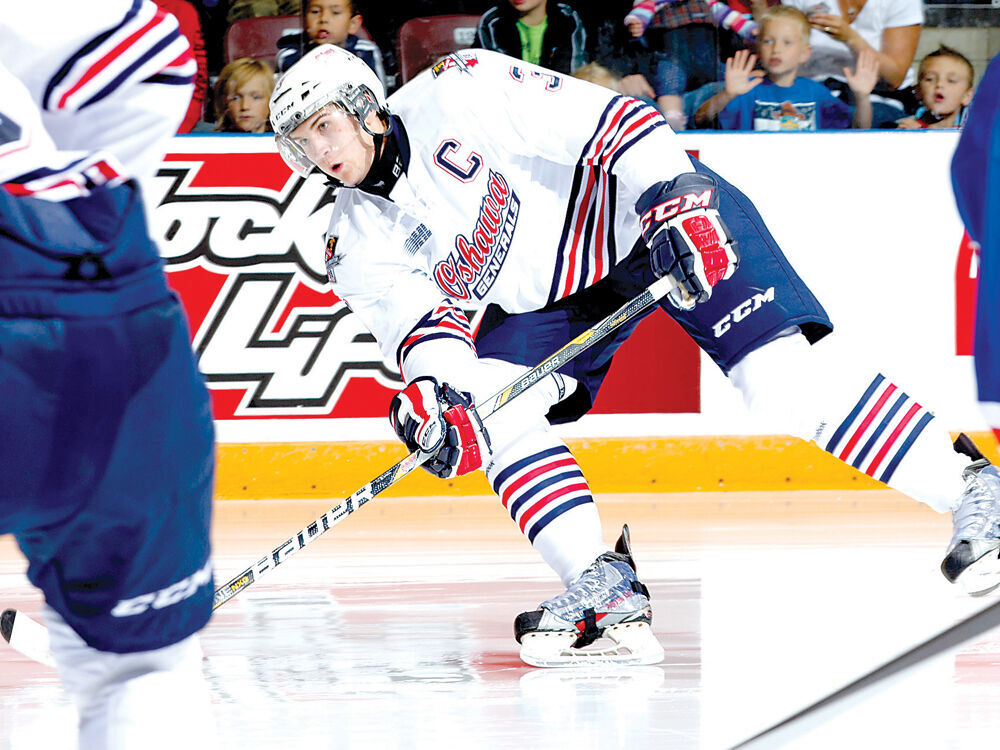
(537, 31)
(889, 27)
(684, 45)
(777, 99)
(610, 45)
(242, 94)
(240, 9)
(331, 22)
(190, 26)
(944, 88)
(598, 74)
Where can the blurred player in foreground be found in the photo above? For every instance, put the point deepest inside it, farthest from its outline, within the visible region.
(975, 173)
(489, 182)
(107, 444)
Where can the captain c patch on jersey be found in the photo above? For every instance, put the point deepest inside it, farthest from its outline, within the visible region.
(474, 264)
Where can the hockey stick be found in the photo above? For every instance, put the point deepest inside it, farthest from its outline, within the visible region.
(782, 733)
(31, 638)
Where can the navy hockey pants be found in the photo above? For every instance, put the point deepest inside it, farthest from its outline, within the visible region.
(764, 297)
(106, 472)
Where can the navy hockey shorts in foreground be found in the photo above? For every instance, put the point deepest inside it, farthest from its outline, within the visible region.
(107, 466)
(106, 435)
(764, 297)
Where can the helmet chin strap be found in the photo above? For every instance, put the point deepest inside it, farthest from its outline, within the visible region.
(378, 138)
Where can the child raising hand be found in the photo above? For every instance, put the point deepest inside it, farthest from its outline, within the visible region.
(777, 98)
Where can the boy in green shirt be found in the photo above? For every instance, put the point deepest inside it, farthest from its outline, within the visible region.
(544, 33)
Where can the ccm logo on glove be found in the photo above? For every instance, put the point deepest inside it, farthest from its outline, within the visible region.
(675, 206)
(688, 240)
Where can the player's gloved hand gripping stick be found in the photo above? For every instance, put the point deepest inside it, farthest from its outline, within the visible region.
(435, 418)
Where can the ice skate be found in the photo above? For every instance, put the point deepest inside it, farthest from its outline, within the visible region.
(605, 601)
(973, 559)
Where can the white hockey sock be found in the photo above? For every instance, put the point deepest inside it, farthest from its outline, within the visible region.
(857, 415)
(540, 484)
(572, 542)
(149, 699)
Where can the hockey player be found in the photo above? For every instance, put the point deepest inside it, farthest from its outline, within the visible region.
(106, 441)
(489, 182)
(976, 177)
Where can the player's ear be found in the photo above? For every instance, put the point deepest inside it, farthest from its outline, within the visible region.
(374, 122)
(355, 24)
(967, 97)
(807, 53)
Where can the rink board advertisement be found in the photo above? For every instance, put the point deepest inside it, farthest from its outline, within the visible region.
(867, 219)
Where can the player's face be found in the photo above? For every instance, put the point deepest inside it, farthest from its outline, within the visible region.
(330, 21)
(247, 105)
(945, 85)
(334, 142)
(781, 46)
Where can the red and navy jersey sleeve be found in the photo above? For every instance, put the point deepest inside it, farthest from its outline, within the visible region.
(31, 164)
(146, 46)
(117, 78)
(443, 322)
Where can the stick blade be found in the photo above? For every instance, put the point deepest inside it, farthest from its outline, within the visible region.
(7, 623)
(26, 636)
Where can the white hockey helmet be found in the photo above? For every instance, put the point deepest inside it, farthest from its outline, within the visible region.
(327, 74)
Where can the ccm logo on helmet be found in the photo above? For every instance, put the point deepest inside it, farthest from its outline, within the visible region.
(675, 206)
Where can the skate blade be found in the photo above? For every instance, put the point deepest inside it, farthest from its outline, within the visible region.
(983, 576)
(633, 644)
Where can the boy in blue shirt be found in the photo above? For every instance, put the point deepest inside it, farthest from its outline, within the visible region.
(776, 99)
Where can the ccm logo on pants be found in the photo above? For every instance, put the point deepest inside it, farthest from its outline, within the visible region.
(175, 592)
(745, 307)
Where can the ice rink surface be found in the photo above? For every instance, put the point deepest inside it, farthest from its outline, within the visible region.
(394, 630)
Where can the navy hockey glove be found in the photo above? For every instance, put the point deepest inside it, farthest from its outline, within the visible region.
(437, 419)
(686, 236)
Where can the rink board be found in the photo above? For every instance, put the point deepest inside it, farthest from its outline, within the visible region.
(300, 390)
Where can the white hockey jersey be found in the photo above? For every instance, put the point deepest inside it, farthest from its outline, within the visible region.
(520, 190)
(115, 75)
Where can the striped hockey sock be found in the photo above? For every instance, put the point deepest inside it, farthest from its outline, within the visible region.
(892, 438)
(549, 499)
(856, 414)
(876, 435)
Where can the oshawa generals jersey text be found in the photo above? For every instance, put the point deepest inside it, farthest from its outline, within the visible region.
(520, 190)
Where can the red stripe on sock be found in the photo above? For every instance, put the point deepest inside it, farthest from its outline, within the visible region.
(517, 484)
(867, 421)
(873, 466)
(534, 509)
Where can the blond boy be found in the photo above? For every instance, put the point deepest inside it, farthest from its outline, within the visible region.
(777, 98)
